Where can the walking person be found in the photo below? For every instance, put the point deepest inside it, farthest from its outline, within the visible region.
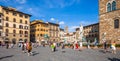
(113, 47)
(7, 45)
(29, 48)
(23, 47)
(52, 47)
(105, 46)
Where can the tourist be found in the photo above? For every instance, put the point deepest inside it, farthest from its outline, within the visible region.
(23, 47)
(113, 47)
(29, 48)
(105, 46)
(53, 47)
(7, 45)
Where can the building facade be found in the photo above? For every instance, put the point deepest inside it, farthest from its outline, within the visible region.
(61, 35)
(91, 32)
(39, 31)
(53, 32)
(15, 25)
(109, 20)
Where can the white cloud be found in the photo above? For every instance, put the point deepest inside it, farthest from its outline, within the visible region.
(21, 1)
(62, 23)
(52, 19)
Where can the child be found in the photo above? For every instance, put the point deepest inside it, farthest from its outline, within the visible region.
(113, 47)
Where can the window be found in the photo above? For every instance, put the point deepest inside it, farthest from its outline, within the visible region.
(20, 15)
(7, 25)
(7, 31)
(0, 20)
(116, 23)
(25, 22)
(7, 19)
(7, 12)
(14, 20)
(0, 33)
(20, 21)
(21, 32)
(0, 27)
(26, 16)
(26, 32)
(14, 14)
(14, 25)
(14, 31)
(13, 34)
(20, 26)
(108, 7)
(113, 5)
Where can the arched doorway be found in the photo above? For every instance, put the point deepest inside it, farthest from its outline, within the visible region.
(14, 41)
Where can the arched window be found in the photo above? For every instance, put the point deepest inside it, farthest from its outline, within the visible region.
(14, 20)
(7, 31)
(7, 25)
(25, 22)
(108, 7)
(14, 26)
(113, 5)
(116, 23)
(14, 31)
(26, 32)
(21, 32)
(20, 20)
(7, 18)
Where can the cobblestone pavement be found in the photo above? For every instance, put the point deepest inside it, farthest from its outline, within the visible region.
(45, 54)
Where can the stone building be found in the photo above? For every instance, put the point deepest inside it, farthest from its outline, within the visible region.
(109, 20)
(53, 31)
(91, 32)
(14, 26)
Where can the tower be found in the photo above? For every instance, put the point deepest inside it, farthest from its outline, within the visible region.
(66, 29)
(109, 20)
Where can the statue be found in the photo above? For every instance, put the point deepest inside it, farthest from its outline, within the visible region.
(81, 34)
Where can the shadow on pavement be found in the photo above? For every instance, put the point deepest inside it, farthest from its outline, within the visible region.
(113, 59)
(6, 57)
(35, 53)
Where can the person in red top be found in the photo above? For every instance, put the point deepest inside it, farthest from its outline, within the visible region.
(76, 45)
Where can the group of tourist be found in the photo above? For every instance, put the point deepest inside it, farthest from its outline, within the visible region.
(112, 46)
(27, 47)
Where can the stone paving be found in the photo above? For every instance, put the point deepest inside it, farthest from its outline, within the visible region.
(45, 54)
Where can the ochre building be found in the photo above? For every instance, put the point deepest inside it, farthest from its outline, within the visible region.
(39, 31)
(14, 25)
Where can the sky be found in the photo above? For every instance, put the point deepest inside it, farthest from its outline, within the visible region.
(69, 13)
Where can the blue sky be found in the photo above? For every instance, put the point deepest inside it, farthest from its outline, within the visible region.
(69, 13)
